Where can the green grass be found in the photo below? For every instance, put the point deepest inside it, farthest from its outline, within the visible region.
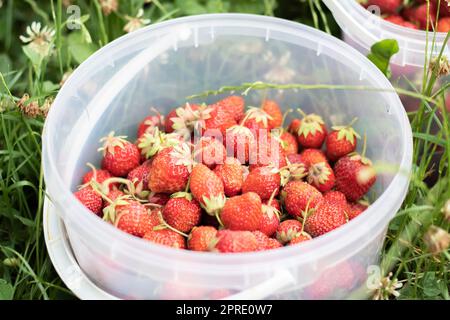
(25, 269)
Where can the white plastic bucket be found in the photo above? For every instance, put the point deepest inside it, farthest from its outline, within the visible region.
(158, 67)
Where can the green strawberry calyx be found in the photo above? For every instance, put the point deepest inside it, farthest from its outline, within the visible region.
(319, 173)
(347, 132)
(110, 142)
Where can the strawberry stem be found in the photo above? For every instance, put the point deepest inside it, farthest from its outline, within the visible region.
(363, 154)
(285, 116)
(302, 113)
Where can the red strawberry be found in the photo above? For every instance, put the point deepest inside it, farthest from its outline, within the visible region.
(386, 6)
(169, 171)
(218, 121)
(420, 14)
(210, 152)
(90, 199)
(274, 112)
(149, 123)
(228, 241)
(395, 19)
(133, 218)
(166, 237)
(140, 176)
(96, 175)
(113, 195)
(200, 238)
(355, 209)
(169, 122)
(289, 143)
(298, 196)
(235, 105)
(295, 158)
(264, 242)
(302, 237)
(257, 120)
(341, 141)
(294, 126)
(232, 175)
(289, 230)
(238, 141)
(332, 196)
(182, 213)
(312, 131)
(321, 176)
(312, 156)
(267, 151)
(263, 181)
(271, 217)
(410, 25)
(354, 176)
(208, 189)
(242, 212)
(444, 25)
(183, 119)
(119, 155)
(326, 217)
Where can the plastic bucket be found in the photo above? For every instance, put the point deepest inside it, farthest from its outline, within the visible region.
(159, 67)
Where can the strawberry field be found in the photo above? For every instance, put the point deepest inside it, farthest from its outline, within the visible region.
(230, 169)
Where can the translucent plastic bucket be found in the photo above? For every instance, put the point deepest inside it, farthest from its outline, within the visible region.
(159, 67)
(361, 29)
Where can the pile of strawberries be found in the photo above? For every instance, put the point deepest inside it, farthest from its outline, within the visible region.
(413, 14)
(225, 179)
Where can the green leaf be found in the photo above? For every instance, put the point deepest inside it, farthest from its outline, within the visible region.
(78, 48)
(5, 63)
(190, 7)
(6, 290)
(35, 58)
(430, 285)
(381, 54)
(49, 87)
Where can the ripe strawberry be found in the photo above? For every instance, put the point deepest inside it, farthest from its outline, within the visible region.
(119, 155)
(232, 175)
(229, 241)
(289, 143)
(312, 156)
(264, 242)
(341, 141)
(326, 217)
(294, 126)
(267, 151)
(302, 237)
(169, 171)
(140, 176)
(355, 209)
(113, 195)
(182, 213)
(271, 217)
(298, 196)
(275, 115)
(312, 131)
(234, 105)
(218, 121)
(395, 19)
(295, 158)
(257, 120)
(321, 176)
(444, 25)
(183, 119)
(354, 176)
(133, 218)
(90, 199)
(149, 123)
(386, 6)
(96, 175)
(289, 230)
(238, 141)
(207, 188)
(210, 152)
(166, 237)
(242, 212)
(200, 238)
(420, 16)
(332, 196)
(263, 181)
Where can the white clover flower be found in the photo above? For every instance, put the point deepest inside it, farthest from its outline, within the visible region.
(135, 23)
(39, 39)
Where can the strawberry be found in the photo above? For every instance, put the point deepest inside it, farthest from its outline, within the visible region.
(264, 242)
(263, 181)
(201, 237)
(298, 196)
(302, 237)
(341, 141)
(140, 176)
(420, 16)
(242, 212)
(168, 125)
(395, 19)
(90, 199)
(166, 237)
(267, 152)
(207, 188)
(210, 152)
(184, 119)
(158, 198)
(119, 155)
(238, 141)
(271, 108)
(410, 25)
(386, 6)
(150, 123)
(257, 120)
(288, 230)
(354, 176)
(113, 195)
(335, 196)
(326, 217)
(234, 105)
(218, 121)
(229, 241)
(321, 176)
(289, 143)
(444, 25)
(312, 131)
(96, 175)
(169, 171)
(133, 218)
(150, 143)
(182, 212)
(355, 209)
(295, 158)
(271, 217)
(294, 126)
(312, 156)
(232, 175)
